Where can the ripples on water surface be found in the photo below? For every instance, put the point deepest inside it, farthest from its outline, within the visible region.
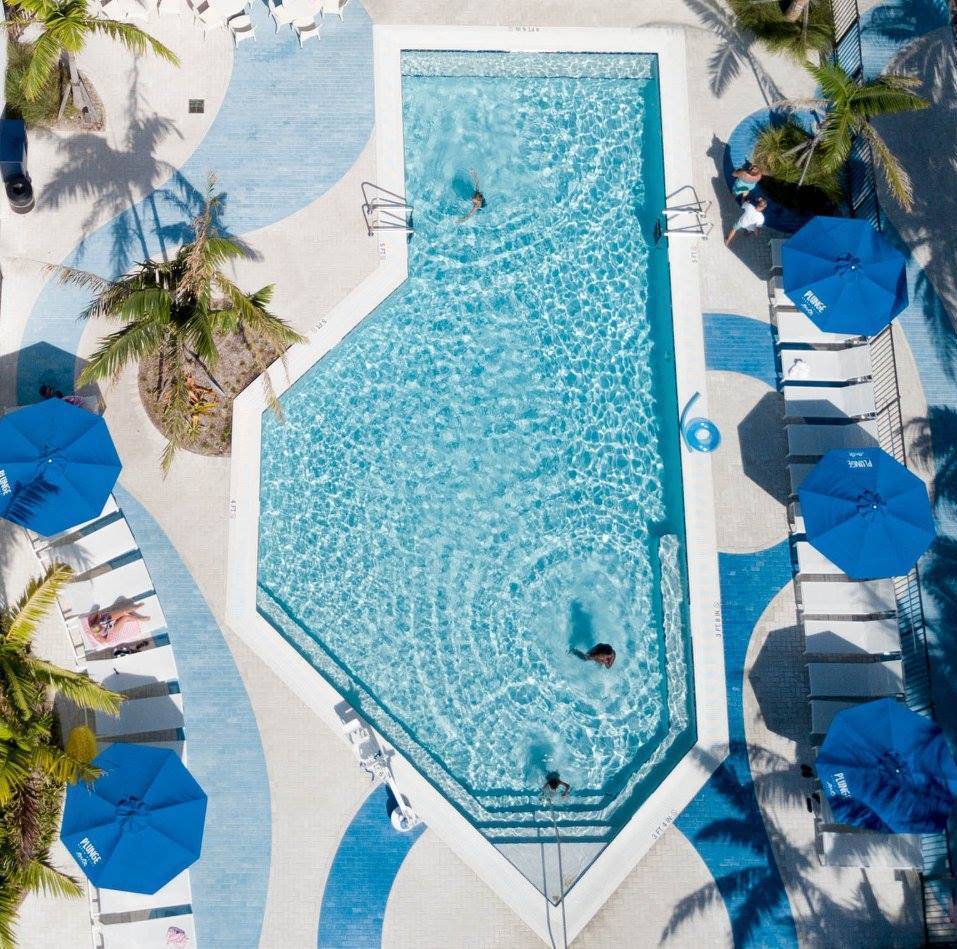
(472, 482)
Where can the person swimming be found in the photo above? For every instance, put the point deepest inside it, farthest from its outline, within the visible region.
(601, 653)
(553, 784)
(478, 199)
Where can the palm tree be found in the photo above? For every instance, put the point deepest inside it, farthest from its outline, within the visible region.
(175, 310)
(67, 25)
(811, 30)
(847, 107)
(33, 766)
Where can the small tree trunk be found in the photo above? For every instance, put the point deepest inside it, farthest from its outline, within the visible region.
(796, 10)
(207, 372)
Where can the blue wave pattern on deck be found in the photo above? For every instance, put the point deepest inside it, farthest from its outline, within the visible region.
(292, 123)
(224, 750)
(361, 877)
(740, 344)
(724, 821)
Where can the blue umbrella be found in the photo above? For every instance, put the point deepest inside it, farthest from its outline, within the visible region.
(139, 824)
(844, 275)
(866, 513)
(886, 768)
(57, 466)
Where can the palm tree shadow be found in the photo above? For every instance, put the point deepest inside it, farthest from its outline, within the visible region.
(934, 445)
(113, 178)
(735, 50)
(752, 888)
(932, 166)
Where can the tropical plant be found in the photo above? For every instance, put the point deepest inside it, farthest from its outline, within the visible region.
(845, 111)
(45, 107)
(66, 26)
(809, 32)
(776, 151)
(34, 767)
(175, 310)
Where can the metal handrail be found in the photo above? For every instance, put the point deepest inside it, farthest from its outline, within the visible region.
(384, 210)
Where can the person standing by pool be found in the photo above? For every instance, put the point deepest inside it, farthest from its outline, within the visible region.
(751, 220)
(478, 199)
(745, 180)
(601, 653)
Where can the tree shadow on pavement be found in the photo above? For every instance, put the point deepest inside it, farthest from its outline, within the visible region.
(734, 52)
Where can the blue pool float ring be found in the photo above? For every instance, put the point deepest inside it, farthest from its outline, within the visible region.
(700, 434)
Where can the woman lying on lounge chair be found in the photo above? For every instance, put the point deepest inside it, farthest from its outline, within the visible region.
(110, 626)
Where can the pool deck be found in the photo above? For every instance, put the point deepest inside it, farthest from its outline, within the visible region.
(684, 892)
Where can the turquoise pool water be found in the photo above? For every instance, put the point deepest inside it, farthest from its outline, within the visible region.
(486, 473)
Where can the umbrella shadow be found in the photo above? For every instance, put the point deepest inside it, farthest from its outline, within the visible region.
(763, 443)
(24, 371)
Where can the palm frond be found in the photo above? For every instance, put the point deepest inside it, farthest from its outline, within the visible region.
(71, 276)
(36, 602)
(78, 688)
(43, 60)
(898, 181)
(39, 875)
(130, 344)
(132, 37)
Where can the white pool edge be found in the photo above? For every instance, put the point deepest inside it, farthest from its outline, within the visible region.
(664, 804)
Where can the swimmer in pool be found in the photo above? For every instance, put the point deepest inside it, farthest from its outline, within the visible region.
(478, 199)
(602, 653)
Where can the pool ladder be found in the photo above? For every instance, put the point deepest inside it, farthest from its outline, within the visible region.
(384, 210)
(687, 215)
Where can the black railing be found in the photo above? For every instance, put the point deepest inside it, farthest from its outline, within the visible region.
(861, 186)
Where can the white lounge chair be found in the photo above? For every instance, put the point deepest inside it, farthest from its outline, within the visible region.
(241, 28)
(305, 30)
(818, 365)
(147, 627)
(867, 849)
(860, 598)
(853, 401)
(148, 933)
(111, 507)
(869, 680)
(124, 584)
(851, 637)
(176, 893)
(811, 561)
(135, 669)
(160, 713)
(95, 549)
(794, 327)
(812, 440)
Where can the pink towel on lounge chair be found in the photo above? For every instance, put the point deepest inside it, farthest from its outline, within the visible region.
(129, 633)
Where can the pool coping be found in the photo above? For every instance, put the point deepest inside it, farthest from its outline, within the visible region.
(603, 876)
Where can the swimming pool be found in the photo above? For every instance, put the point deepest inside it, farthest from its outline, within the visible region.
(486, 473)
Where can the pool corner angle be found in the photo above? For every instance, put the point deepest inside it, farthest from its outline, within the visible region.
(619, 857)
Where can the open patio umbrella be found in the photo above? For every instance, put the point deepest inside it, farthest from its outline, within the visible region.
(139, 824)
(866, 513)
(886, 768)
(844, 275)
(58, 466)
